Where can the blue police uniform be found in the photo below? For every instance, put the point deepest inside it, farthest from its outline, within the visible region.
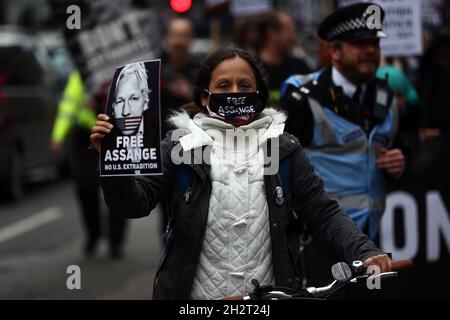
(344, 153)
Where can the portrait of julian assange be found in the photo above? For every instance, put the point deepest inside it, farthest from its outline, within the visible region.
(131, 98)
(133, 108)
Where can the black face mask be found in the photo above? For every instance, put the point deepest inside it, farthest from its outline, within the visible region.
(235, 108)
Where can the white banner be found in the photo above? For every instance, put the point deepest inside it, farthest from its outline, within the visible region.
(402, 25)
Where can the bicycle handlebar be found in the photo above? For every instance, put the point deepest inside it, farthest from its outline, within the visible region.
(324, 292)
(274, 293)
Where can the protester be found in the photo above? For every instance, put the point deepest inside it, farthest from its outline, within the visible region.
(179, 67)
(406, 97)
(277, 39)
(234, 222)
(434, 86)
(72, 124)
(246, 33)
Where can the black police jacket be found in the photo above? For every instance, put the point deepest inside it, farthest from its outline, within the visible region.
(131, 197)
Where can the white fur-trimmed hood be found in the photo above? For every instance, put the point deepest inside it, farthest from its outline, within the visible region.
(270, 123)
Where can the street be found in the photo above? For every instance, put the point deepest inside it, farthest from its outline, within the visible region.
(41, 236)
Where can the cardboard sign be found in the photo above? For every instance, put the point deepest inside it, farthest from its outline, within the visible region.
(133, 146)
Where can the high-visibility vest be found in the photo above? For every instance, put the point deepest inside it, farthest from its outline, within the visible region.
(73, 109)
(345, 158)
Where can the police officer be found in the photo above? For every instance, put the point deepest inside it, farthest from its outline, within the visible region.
(347, 121)
(346, 118)
(73, 122)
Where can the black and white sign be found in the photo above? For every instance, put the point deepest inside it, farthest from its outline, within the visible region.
(133, 146)
(402, 25)
(416, 223)
(111, 40)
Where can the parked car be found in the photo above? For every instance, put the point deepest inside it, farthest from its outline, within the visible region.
(30, 89)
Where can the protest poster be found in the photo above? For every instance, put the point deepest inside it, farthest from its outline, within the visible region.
(133, 106)
(112, 34)
(402, 25)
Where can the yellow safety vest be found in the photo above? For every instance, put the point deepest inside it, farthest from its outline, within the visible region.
(73, 109)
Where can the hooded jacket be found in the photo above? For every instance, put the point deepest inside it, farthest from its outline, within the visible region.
(236, 247)
(135, 197)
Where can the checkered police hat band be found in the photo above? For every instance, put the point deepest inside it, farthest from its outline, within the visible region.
(346, 26)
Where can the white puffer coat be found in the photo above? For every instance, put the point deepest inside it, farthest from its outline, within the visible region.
(237, 245)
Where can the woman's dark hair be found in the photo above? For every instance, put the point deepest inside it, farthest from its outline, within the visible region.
(225, 53)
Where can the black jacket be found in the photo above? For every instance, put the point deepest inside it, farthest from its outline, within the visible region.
(132, 197)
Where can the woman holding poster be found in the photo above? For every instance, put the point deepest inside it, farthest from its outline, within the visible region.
(232, 216)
